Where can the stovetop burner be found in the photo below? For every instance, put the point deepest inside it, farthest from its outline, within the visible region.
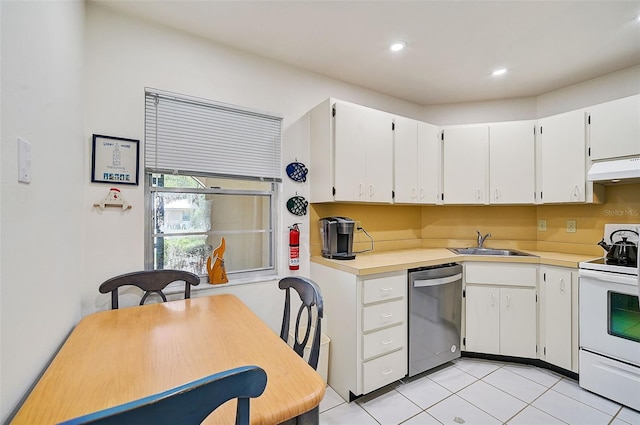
(616, 262)
(603, 265)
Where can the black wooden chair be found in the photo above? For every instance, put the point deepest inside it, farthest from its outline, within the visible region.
(150, 281)
(310, 296)
(188, 404)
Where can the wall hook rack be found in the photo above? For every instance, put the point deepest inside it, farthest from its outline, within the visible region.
(113, 199)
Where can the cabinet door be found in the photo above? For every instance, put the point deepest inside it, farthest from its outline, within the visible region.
(349, 159)
(614, 128)
(465, 165)
(562, 157)
(429, 164)
(518, 322)
(416, 162)
(405, 158)
(512, 163)
(379, 156)
(482, 319)
(363, 154)
(555, 307)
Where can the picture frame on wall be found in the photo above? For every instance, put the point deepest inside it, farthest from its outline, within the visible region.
(115, 160)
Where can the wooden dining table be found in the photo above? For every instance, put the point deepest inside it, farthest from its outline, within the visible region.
(116, 356)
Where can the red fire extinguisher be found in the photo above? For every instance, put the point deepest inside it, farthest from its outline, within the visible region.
(294, 247)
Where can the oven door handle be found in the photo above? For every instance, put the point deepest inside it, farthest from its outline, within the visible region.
(609, 277)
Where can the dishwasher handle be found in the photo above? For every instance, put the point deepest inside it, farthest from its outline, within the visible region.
(436, 282)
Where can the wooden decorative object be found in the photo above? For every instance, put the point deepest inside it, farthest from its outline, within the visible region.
(215, 265)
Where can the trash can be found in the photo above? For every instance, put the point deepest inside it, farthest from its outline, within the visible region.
(323, 357)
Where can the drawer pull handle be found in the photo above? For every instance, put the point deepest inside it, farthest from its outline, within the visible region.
(386, 290)
(387, 342)
(386, 316)
(387, 372)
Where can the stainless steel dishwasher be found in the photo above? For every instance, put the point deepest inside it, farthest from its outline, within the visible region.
(435, 315)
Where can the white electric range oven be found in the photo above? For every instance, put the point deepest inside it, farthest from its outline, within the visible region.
(609, 329)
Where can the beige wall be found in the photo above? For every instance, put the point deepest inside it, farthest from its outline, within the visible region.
(401, 227)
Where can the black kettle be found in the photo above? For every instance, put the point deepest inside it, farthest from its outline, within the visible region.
(622, 252)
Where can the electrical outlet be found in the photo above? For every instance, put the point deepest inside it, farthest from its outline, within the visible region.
(542, 225)
(358, 224)
(571, 226)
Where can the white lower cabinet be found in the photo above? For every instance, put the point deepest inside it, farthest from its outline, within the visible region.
(500, 312)
(558, 317)
(365, 318)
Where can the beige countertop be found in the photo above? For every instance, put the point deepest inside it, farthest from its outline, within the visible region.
(381, 262)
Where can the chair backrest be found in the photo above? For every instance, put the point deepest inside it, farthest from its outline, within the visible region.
(187, 404)
(149, 281)
(310, 296)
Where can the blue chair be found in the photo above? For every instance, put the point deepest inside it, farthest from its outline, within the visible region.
(188, 404)
(310, 296)
(149, 281)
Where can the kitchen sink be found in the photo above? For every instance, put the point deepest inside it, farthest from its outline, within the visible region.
(490, 251)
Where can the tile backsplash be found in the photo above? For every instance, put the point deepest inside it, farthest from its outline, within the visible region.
(404, 226)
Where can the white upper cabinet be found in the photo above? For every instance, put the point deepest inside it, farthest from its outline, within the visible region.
(465, 152)
(562, 158)
(416, 162)
(363, 154)
(512, 163)
(351, 153)
(614, 128)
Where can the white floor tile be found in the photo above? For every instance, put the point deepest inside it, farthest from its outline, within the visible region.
(493, 401)
(570, 388)
(570, 410)
(533, 416)
(347, 414)
(541, 376)
(452, 378)
(390, 408)
(477, 367)
(453, 410)
(424, 392)
(629, 415)
(618, 422)
(331, 399)
(422, 419)
(514, 384)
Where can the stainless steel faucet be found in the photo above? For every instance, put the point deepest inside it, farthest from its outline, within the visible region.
(481, 238)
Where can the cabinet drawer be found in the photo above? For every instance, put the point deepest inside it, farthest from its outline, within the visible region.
(384, 370)
(384, 288)
(508, 274)
(384, 341)
(386, 314)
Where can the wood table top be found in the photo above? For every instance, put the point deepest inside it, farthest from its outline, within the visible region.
(116, 356)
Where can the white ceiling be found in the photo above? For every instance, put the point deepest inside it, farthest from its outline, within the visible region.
(452, 46)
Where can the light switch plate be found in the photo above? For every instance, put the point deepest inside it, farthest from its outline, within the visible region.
(542, 225)
(24, 161)
(571, 226)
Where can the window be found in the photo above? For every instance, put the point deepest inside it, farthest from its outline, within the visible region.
(195, 198)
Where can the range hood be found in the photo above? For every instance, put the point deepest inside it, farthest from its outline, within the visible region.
(625, 170)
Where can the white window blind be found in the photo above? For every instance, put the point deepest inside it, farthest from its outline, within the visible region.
(194, 136)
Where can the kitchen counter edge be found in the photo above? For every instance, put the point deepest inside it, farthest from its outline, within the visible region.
(390, 261)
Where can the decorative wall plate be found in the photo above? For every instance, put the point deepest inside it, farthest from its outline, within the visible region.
(297, 205)
(297, 172)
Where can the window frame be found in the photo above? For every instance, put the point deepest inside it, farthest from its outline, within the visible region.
(150, 234)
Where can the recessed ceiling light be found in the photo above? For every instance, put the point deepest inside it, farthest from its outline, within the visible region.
(396, 46)
(500, 71)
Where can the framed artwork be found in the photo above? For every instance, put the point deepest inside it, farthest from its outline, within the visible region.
(115, 160)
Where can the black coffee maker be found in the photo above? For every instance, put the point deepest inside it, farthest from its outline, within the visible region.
(337, 237)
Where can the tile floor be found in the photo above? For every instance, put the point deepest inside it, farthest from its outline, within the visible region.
(474, 391)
